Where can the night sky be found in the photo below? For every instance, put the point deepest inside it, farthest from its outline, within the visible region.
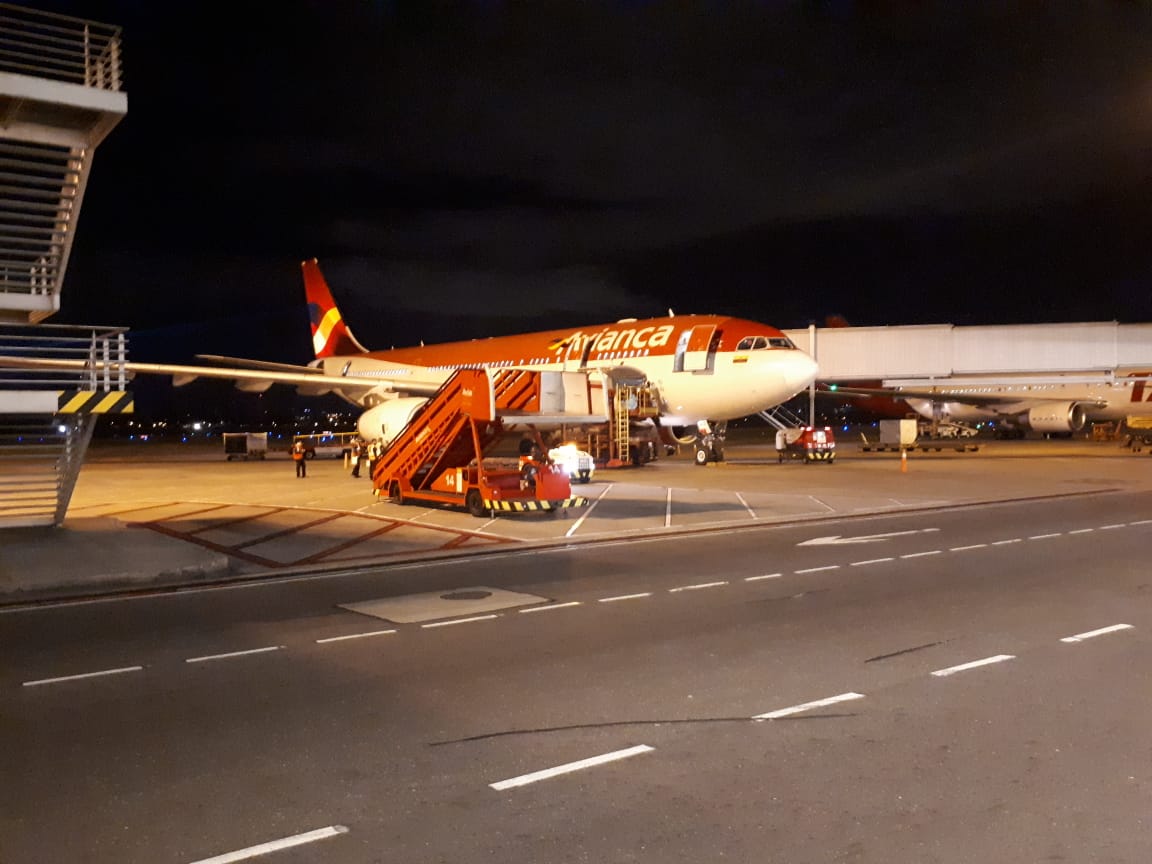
(476, 168)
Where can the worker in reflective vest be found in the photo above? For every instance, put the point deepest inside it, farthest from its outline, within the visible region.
(298, 458)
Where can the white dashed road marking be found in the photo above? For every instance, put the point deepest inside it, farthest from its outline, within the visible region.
(765, 576)
(819, 703)
(354, 636)
(234, 654)
(696, 587)
(275, 845)
(1080, 637)
(818, 569)
(625, 597)
(84, 675)
(966, 548)
(921, 554)
(553, 606)
(459, 621)
(525, 779)
(870, 561)
(951, 670)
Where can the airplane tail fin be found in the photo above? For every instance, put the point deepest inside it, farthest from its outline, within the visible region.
(330, 335)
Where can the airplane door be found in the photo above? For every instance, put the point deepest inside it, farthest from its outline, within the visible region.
(692, 354)
(576, 357)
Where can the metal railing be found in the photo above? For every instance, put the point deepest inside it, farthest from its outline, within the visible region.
(104, 351)
(59, 47)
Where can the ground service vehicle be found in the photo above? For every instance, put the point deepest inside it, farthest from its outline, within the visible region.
(330, 444)
(808, 443)
(576, 463)
(245, 445)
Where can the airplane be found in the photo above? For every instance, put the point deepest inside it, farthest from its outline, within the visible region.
(704, 369)
(1053, 403)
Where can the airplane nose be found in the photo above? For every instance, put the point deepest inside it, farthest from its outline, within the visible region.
(800, 372)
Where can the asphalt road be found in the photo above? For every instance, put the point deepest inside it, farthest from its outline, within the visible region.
(214, 721)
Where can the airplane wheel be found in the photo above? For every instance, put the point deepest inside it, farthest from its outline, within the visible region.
(474, 502)
(395, 492)
(701, 456)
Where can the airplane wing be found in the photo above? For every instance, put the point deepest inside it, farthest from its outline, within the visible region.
(308, 379)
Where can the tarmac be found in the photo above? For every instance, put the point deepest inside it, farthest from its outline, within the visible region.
(153, 516)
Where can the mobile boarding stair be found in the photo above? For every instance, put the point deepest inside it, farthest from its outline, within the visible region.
(439, 457)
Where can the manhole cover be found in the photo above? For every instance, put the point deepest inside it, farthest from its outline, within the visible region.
(466, 595)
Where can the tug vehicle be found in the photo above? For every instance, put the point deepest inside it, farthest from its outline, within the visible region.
(807, 443)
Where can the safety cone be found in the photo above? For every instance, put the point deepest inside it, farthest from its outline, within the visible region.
(903, 461)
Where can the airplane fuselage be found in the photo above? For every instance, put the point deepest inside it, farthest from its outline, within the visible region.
(702, 367)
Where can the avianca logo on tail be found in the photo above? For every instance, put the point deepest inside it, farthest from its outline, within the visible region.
(323, 327)
(615, 340)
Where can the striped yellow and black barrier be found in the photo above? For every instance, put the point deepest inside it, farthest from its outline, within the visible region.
(525, 505)
(94, 402)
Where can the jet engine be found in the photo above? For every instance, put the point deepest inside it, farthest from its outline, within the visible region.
(673, 435)
(1058, 417)
(385, 421)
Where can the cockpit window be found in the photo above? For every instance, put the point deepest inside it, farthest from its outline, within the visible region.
(757, 343)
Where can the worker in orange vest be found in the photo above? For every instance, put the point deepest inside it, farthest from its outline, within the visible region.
(298, 458)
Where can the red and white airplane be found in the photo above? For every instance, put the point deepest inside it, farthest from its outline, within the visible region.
(701, 368)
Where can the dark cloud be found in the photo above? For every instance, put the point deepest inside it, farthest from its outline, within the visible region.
(463, 169)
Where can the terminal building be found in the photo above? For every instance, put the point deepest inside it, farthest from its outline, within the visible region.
(61, 94)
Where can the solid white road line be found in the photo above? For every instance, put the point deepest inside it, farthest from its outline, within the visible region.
(668, 510)
(819, 703)
(696, 587)
(276, 845)
(870, 561)
(525, 779)
(234, 654)
(84, 675)
(625, 597)
(459, 621)
(553, 606)
(765, 576)
(354, 636)
(740, 498)
(999, 658)
(818, 569)
(1080, 637)
(587, 512)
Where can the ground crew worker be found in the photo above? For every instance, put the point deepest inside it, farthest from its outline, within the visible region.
(357, 455)
(298, 458)
(375, 451)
